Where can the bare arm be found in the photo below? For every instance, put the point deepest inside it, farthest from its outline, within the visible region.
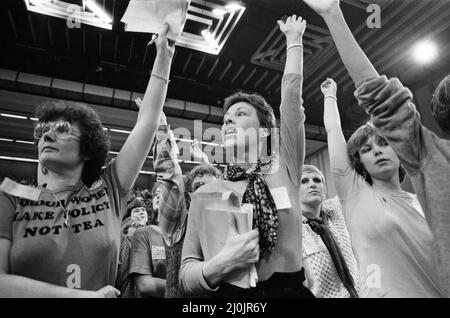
(150, 286)
(356, 62)
(19, 286)
(337, 146)
(134, 152)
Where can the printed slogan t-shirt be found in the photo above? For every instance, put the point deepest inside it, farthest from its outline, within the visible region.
(83, 254)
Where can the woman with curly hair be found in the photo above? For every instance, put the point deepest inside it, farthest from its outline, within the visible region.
(63, 240)
(390, 236)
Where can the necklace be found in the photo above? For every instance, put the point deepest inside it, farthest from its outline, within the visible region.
(65, 212)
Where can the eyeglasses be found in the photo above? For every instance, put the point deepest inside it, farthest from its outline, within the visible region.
(197, 185)
(61, 129)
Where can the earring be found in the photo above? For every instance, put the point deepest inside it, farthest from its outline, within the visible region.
(364, 174)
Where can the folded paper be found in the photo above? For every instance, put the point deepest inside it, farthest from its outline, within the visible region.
(149, 16)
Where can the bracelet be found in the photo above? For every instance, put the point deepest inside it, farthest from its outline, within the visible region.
(166, 80)
(294, 45)
(330, 96)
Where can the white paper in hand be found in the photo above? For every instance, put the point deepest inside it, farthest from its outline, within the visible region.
(150, 15)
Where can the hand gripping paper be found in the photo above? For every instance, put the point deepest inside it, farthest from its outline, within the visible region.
(149, 16)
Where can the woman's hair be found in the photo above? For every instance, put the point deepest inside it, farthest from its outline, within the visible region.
(155, 187)
(355, 143)
(199, 171)
(313, 169)
(94, 141)
(132, 205)
(264, 111)
(440, 104)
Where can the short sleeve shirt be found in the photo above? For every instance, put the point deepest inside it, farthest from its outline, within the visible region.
(83, 254)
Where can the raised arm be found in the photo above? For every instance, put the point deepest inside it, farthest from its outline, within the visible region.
(135, 150)
(172, 208)
(337, 146)
(356, 62)
(292, 117)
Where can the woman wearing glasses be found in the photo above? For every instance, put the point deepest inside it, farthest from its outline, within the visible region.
(62, 240)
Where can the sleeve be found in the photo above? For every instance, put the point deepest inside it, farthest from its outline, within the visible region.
(172, 211)
(347, 181)
(118, 196)
(292, 128)
(140, 253)
(191, 277)
(7, 210)
(389, 104)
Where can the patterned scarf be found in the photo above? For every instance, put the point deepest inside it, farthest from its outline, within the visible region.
(320, 227)
(265, 216)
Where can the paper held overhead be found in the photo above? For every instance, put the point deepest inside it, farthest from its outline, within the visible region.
(149, 16)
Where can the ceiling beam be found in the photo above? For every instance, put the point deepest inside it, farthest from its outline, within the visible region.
(200, 65)
(249, 76)
(262, 78)
(33, 32)
(239, 72)
(225, 71)
(188, 60)
(213, 68)
(13, 24)
(50, 33)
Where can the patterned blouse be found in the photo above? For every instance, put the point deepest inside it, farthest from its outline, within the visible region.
(319, 259)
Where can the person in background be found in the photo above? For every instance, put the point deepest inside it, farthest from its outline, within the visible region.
(173, 199)
(326, 242)
(74, 250)
(425, 156)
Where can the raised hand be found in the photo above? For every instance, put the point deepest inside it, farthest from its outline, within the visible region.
(163, 44)
(323, 7)
(329, 87)
(293, 28)
(107, 292)
(197, 153)
(162, 119)
(138, 102)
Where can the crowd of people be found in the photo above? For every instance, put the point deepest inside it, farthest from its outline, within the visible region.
(84, 233)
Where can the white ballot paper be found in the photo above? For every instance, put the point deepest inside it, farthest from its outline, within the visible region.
(149, 16)
(220, 216)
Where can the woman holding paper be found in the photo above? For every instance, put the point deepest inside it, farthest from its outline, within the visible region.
(269, 182)
(63, 240)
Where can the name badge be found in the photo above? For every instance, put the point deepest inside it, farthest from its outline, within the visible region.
(312, 243)
(281, 198)
(20, 190)
(158, 252)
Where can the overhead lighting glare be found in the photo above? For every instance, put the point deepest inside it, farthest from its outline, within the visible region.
(120, 131)
(234, 7)
(147, 172)
(219, 12)
(18, 159)
(6, 139)
(13, 116)
(425, 52)
(98, 11)
(25, 142)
